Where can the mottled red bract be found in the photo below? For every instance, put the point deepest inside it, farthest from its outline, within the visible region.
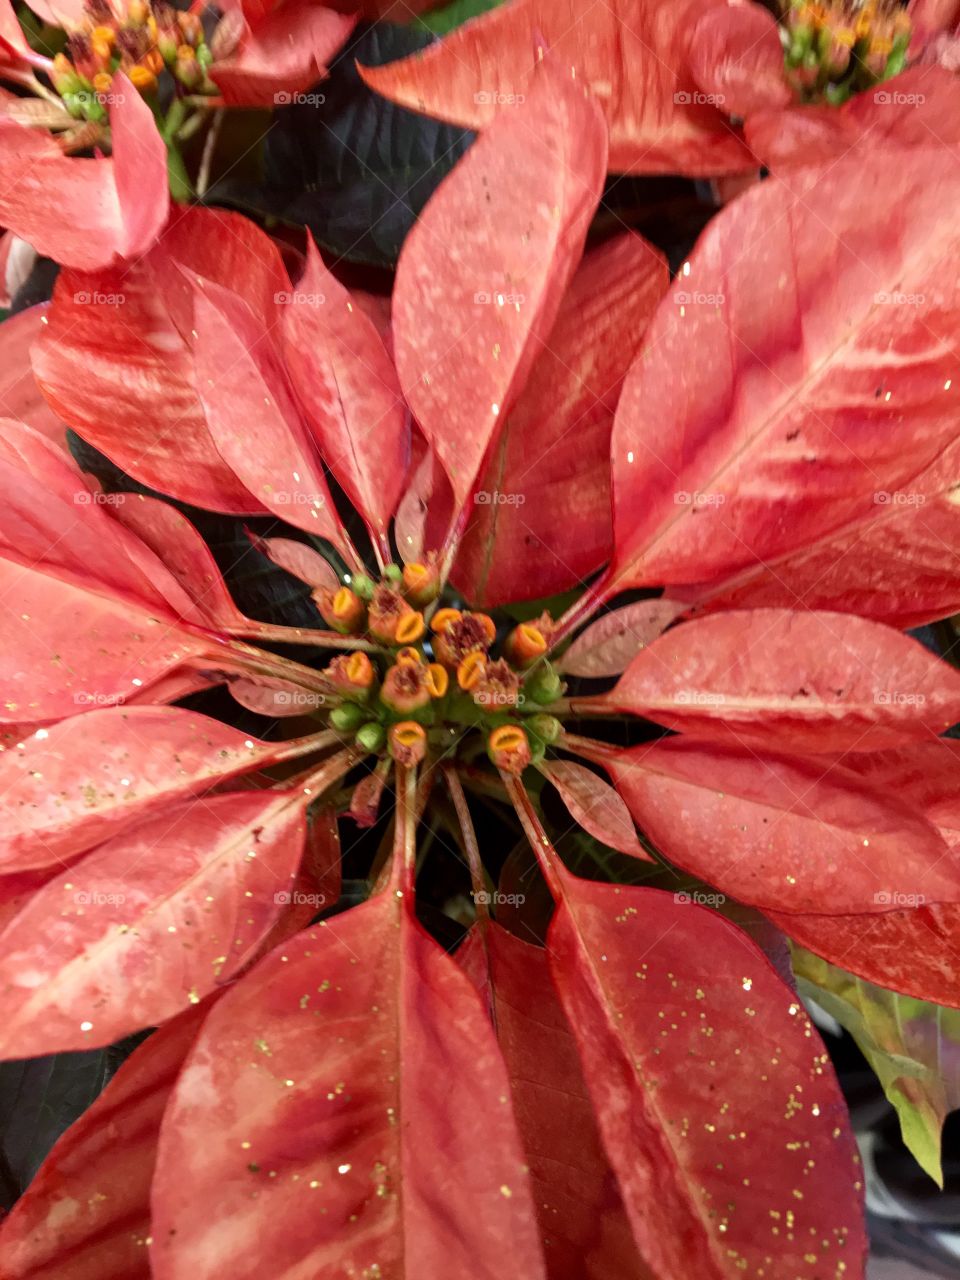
(516, 211)
(311, 1113)
(782, 394)
(631, 53)
(651, 986)
(583, 1226)
(87, 1213)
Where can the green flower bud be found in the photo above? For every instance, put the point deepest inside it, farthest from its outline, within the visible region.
(547, 728)
(348, 716)
(544, 685)
(363, 586)
(371, 736)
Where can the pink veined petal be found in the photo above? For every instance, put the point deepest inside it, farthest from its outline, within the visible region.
(283, 54)
(514, 213)
(348, 388)
(87, 213)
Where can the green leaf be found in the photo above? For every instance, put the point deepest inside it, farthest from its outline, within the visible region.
(912, 1046)
(441, 21)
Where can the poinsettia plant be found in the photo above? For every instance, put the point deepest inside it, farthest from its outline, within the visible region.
(588, 659)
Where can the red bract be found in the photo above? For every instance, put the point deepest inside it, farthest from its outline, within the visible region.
(87, 213)
(783, 456)
(633, 55)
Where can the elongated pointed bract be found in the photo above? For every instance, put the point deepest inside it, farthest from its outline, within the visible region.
(115, 364)
(608, 645)
(583, 1226)
(781, 832)
(697, 1056)
(631, 54)
(148, 923)
(252, 416)
(794, 680)
(75, 784)
(321, 1070)
(87, 1212)
(347, 385)
(104, 648)
(595, 805)
(512, 218)
(545, 490)
(783, 390)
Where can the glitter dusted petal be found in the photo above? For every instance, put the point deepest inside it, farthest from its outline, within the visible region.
(86, 1214)
(781, 832)
(698, 1057)
(582, 1222)
(631, 54)
(546, 489)
(482, 274)
(347, 385)
(792, 680)
(87, 778)
(148, 923)
(353, 1082)
(782, 391)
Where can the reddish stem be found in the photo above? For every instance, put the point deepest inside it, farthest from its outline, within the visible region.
(594, 596)
(471, 848)
(540, 842)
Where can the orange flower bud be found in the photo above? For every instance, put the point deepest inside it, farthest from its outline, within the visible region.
(509, 748)
(409, 654)
(143, 79)
(438, 680)
(471, 669)
(342, 609)
(387, 608)
(525, 644)
(442, 619)
(410, 627)
(408, 742)
(405, 688)
(421, 583)
(352, 674)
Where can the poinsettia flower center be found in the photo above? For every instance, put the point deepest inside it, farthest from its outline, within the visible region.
(145, 42)
(836, 49)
